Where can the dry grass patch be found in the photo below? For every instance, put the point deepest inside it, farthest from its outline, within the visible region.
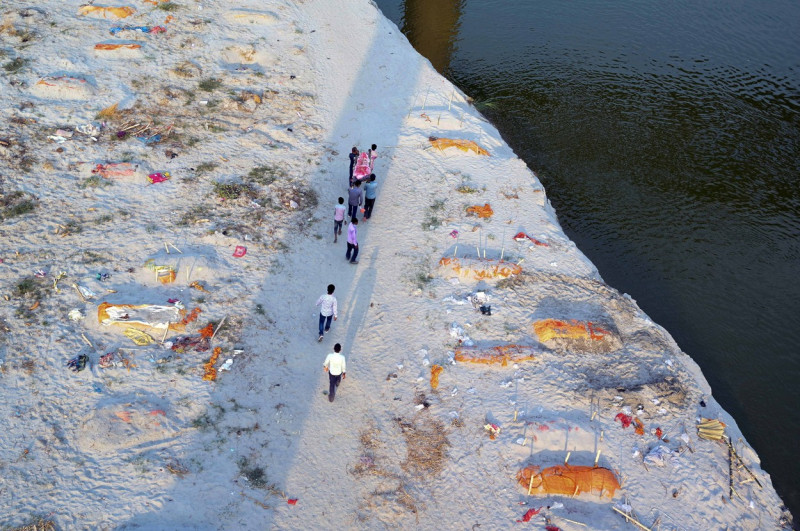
(426, 445)
(40, 524)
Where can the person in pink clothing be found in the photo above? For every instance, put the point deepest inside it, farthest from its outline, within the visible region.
(352, 241)
(338, 219)
(372, 153)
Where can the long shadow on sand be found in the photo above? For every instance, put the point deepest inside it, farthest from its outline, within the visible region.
(264, 435)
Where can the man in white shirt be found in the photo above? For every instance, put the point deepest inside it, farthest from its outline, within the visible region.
(327, 311)
(336, 367)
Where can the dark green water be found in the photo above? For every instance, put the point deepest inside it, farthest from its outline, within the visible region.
(667, 136)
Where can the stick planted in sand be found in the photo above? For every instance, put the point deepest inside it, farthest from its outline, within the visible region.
(87, 341)
(530, 485)
(597, 457)
(566, 459)
(451, 99)
(79, 292)
(631, 519)
(218, 327)
(572, 521)
(739, 459)
(166, 248)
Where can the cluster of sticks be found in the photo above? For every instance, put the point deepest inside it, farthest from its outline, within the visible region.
(136, 129)
(731, 456)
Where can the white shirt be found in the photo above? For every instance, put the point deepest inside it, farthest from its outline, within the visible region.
(335, 363)
(327, 304)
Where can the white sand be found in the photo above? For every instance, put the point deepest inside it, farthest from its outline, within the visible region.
(152, 445)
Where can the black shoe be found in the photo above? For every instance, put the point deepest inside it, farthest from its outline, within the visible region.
(330, 398)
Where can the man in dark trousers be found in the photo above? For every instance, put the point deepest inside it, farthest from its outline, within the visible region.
(353, 158)
(370, 192)
(352, 241)
(356, 197)
(336, 367)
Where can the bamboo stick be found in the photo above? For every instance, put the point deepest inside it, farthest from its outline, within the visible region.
(631, 519)
(218, 327)
(87, 341)
(572, 521)
(79, 292)
(750, 472)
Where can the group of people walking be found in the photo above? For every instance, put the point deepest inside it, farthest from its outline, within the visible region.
(361, 169)
(362, 166)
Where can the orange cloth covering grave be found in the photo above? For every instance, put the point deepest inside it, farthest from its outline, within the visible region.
(114, 46)
(436, 370)
(463, 145)
(66, 82)
(484, 211)
(480, 269)
(143, 317)
(115, 169)
(569, 480)
(548, 329)
(493, 355)
(107, 12)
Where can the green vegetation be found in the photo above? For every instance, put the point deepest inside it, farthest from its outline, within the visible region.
(209, 84)
(431, 219)
(233, 190)
(466, 189)
(95, 181)
(193, 215)
(15, 65)
(205, 167)
(169, 6)
(265, 174)
(16, 204)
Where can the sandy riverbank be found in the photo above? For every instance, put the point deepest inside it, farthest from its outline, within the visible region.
(252, 111)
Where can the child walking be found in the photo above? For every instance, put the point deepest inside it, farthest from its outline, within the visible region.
(338, 219)
(373, 154)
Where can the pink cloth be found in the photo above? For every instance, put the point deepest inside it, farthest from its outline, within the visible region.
(362, 168)
(158, 177)
(352, 234)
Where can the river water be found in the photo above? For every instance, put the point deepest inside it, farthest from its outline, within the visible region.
(667, 135)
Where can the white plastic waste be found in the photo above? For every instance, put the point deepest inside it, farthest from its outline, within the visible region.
(227, 365)
(75, 315)
(659, 456)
